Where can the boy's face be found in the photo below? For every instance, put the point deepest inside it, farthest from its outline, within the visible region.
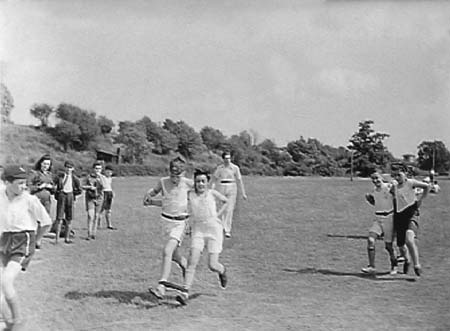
(108, 173)
(17, 186)
(98, 169)
(175, 178)
(69, 169)
(399, 176)
(201, 182)
(227, 159)
(376, 180)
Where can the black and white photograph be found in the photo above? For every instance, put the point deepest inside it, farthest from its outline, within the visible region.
(224, 165)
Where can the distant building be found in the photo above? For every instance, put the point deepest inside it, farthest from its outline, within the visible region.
(108, 156)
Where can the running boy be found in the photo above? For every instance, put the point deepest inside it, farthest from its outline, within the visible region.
(406, 218)
(207, 230)
(381, 199)
(19, 218)
(174, 190)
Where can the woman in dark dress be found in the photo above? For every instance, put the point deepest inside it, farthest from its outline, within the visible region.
(41, 184)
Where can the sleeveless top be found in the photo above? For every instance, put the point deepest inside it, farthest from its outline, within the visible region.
(202, 208)
(174, 202)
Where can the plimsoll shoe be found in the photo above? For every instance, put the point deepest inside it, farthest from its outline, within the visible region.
(368, 270)
(183, 297)
(394, 271)
(406, 265)
(418, 270)
(223, 278)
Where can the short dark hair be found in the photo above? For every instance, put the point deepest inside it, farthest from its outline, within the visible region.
(201, 172)
(68, 164)
(108, 167)
(225, 153)
(97, 163)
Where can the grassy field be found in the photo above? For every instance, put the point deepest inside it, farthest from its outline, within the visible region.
(294, 264)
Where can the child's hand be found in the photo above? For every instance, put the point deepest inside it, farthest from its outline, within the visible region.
(370, 199)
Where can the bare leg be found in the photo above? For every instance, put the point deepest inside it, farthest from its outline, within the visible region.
(8, 276)
(194, 258)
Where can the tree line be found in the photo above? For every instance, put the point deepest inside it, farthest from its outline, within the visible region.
(81, 130)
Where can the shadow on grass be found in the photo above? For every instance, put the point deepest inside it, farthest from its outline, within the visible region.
(141, 299)
(379, 276)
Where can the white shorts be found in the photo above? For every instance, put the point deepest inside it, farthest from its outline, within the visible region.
(383, 225)
(173, 229)
(209, 234)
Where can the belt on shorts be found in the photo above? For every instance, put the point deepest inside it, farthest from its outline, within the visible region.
(175, 218)
(383, 213)
(226, 181)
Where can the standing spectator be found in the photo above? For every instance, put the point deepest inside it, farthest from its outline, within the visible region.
(108, 195)
(174, 216)
(67, 188)
(93, 185)
(41, 184)
(18, 223)
(225, 178)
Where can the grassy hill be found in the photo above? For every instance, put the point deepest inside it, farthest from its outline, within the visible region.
(26, 144)
(21, 144)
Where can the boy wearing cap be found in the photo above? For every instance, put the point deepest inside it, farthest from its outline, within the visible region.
(174, 202)
(19, 218)
(67, 188)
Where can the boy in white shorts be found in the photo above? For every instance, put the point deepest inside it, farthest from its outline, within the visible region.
(19, 217)
(174, 216)
(207, 230)
(381, 199)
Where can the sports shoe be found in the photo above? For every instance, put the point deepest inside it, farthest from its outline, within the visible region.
(368, 270)
(183, 297)
(223, 278)
(394, 271)
(418, 270)
(406, 265)
(156, 292)
(228, 234)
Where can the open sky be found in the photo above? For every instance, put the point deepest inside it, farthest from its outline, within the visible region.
(284, 69)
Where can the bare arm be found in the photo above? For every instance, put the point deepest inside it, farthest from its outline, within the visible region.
(221, 198)
(241, 183)
(148, 197)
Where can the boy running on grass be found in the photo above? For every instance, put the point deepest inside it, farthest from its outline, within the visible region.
(406, 215)
(19, 217)
(381, 199)
(174, 216)
(207, 230)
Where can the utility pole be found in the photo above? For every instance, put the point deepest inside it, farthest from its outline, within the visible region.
(351, 166)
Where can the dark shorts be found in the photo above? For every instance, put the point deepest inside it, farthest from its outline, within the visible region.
(64, 206)
(107, 200)
(18, 247)
(407, 219)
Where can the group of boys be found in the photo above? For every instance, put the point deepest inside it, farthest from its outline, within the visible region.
(396, 216)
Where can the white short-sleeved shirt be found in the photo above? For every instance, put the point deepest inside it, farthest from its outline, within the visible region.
(21, 213)
(107, 183)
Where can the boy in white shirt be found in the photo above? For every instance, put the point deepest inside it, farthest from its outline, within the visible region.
(19, 219)
(381, 199)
